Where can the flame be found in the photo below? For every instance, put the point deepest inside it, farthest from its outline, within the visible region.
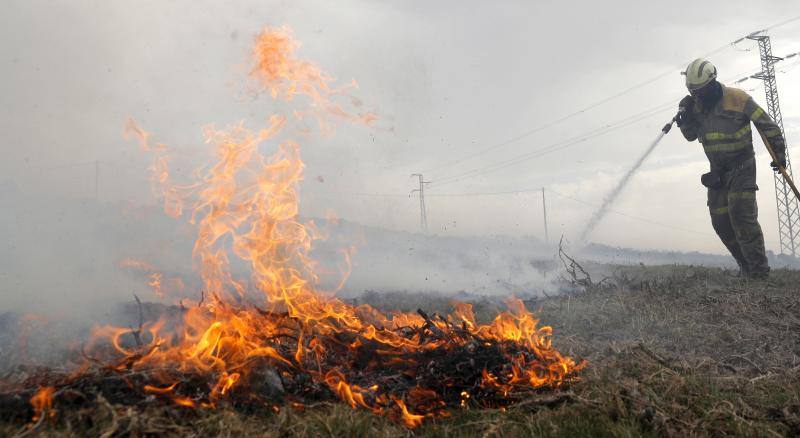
(224, 384)
(245, 206)
(42, 403)
(157, 390)
(155, 283)
(160, 284)
(409, 419)
(279, 72)
(184, 401)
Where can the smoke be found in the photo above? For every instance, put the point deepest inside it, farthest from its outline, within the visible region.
(386, 261)
(609, 200)
(61, 265)
(57, 255)
(63, 257)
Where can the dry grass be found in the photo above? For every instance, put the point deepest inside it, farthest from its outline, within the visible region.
(674, 351)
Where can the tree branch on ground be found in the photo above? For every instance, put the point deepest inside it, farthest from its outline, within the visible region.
(578, 276)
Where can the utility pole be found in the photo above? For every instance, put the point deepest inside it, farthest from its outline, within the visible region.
(788, 209)
(423, 216)
(544, 209)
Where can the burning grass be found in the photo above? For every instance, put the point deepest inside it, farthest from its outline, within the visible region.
(674, 351)
(435, 365)
(274, 338)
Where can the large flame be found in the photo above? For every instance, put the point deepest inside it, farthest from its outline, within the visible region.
(245, 206)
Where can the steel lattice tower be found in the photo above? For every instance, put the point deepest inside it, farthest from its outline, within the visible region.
(788, 210)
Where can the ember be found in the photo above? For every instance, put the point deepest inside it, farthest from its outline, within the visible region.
(276, 336)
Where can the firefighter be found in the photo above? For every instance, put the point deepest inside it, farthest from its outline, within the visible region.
(719, 117)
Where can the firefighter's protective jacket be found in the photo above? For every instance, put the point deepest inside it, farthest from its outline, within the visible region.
(725, 131)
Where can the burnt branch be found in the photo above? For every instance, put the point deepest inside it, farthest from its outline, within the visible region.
(137, 334)
(578, 276)
(430, 325)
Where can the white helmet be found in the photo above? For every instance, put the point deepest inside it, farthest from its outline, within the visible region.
(699, 73)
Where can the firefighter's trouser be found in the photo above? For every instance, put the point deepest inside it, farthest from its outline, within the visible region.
(734, 215)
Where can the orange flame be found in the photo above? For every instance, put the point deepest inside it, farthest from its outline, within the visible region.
(155, 283)
(42, 403)
(278, 71)
(246, 206)
(157, 390)
(409, 419)
(158, 283)
(184, 401)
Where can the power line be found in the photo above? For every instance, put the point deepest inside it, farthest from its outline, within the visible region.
(362, 194)
(427, 195)
(536, 190)
(782, 23)
(550, 124)
(513, 192)
(637, 218)
(439, 195)
(553, 147)
(519, 159)
(595, 104)
(509, 192)
(640, 219)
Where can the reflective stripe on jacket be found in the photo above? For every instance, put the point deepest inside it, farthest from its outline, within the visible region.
(725, 132)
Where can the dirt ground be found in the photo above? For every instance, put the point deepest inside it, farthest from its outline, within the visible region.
(672, 351)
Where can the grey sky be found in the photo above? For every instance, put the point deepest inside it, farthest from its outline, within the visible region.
(448, 78)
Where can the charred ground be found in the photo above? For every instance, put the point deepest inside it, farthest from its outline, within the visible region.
(673, 351)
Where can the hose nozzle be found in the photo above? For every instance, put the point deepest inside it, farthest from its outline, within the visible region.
(668, 126)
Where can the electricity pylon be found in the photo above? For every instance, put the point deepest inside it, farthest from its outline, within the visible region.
(788, 210)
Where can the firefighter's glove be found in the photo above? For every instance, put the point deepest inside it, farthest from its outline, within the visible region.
(781, 161)
(686, 111)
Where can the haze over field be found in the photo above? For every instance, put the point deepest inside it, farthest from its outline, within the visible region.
(212, 221)
(448, 81)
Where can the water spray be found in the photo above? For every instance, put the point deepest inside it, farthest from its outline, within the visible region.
(603, 210)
